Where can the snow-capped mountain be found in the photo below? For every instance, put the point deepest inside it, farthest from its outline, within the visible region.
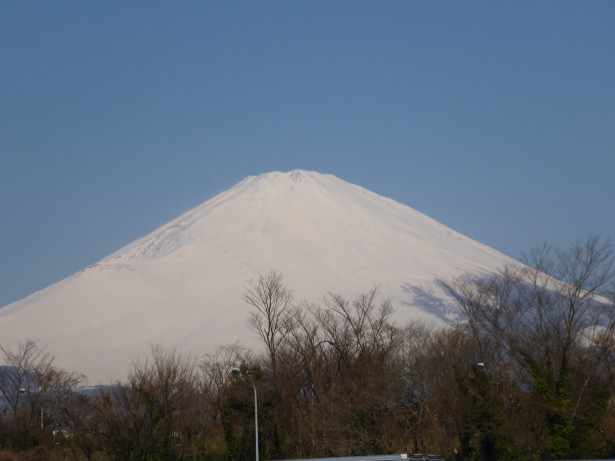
(183, 284)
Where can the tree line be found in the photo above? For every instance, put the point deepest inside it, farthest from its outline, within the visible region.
(526, 373)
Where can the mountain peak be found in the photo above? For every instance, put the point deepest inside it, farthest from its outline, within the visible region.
(296, 175)
(290, 178)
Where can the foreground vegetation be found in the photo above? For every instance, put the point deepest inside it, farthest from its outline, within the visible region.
(527, 373)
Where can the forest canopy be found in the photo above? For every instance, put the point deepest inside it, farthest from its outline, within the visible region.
(526, 373)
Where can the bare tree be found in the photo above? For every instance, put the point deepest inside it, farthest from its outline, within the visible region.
(550, 317)
(154, 414)
(25, 363)
(351, 413)
(29, 376)
(36, 394)
(271, 301)
(215, 367)
(359, 327)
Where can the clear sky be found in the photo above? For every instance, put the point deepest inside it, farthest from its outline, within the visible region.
(495, 118)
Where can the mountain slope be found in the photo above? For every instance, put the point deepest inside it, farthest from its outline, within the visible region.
(184, 282)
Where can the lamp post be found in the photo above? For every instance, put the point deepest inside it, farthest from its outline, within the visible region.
(25, 391)
(237, 372)
(328, 341)
(311, 371)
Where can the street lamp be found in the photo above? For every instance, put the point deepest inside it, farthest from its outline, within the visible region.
(26, 391)
(311, 377)
(311, 356)
(237, 372)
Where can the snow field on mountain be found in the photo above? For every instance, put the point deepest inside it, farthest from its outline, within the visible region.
(183, 283)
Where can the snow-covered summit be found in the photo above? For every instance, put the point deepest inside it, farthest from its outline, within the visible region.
(183, 283)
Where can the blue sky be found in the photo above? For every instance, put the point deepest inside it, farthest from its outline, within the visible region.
(495, 118)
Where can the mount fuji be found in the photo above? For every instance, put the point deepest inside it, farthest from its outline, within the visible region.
(184, 283)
